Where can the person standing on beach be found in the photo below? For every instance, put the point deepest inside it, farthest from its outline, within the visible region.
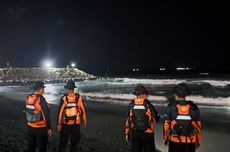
(71, 111)
(140, 122)
(38, 119)
(182, 127)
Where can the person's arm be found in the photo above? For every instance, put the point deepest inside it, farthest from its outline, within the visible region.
(46, 110)
(59, 117)
(83, 112)
(128, 123)
(166, 127)
(59, 110)
(198, 128)
(154, 112)
(127, 135)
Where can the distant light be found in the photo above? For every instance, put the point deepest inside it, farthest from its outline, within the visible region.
(162, 69)
(182, 68)
(136, 70)
(48, 63)
(204, 73)
(73, 64)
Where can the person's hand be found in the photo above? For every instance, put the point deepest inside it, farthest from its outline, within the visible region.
(166, 142)
(49, 132)
(59, 128)
(127, 138)
(84, 125)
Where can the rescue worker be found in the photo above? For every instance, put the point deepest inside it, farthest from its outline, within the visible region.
(38, 119)
(182, 127)
(140, 122)
(71, 111)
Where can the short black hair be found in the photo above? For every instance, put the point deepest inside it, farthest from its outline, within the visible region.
(181, 90)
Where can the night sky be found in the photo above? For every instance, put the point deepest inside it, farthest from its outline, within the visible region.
(114, 35)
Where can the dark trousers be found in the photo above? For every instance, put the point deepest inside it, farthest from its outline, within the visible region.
(72, 131)
(142, 142)
(181, 147)
(36, 139)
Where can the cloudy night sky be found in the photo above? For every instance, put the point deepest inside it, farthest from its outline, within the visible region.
(114, 35)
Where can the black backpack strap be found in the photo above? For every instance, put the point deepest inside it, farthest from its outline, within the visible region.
(78, 97)
(131, 105)
(192, 110)
(154, 113)
(67, 99)
(65, 96)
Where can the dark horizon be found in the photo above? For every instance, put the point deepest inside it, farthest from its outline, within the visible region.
(115, 36)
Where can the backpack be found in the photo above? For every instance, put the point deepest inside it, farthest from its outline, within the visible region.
(71, 110)
(33, 109)
(138, 117)
(182, 121)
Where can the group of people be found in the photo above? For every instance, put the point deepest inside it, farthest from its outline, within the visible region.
(182, 123)
(71, 113)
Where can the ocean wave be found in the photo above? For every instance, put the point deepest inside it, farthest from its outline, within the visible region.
(55, 91)
(160, 100)
(133, 81)
(121, 96)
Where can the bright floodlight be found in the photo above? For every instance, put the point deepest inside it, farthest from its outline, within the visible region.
(48, 63)
(73, 65)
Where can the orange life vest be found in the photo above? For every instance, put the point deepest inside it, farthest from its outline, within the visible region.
(141, 117)
(70, 112)
(34, 113)
(184, 125)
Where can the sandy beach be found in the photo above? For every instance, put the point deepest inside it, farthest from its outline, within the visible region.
(105, 129)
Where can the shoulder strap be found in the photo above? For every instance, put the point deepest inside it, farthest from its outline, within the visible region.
(37, 96)
(66, 97)
(152, 109)
(146, 103)
(132, 104)
(77, 99)
(65, 100)
(32, 95)
(173, 110)
(37, 103)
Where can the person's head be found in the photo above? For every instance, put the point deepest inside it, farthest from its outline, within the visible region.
(140, 91)
(70, 86)
(38, 87)
(181, 91)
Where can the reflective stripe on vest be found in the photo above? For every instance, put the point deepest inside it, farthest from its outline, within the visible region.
(182, 117)
(30, 107)
(139, 107)
(71, 105)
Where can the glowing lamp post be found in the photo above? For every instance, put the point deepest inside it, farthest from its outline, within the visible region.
(73, 65)
(48, 63)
